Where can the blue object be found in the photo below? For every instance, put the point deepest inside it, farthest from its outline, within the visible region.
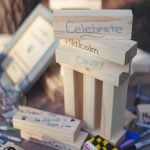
(134, 136)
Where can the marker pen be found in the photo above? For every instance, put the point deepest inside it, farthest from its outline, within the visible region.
(6, 128)
(133, 138)
(10, 137)
(138, 145)
(143, 125)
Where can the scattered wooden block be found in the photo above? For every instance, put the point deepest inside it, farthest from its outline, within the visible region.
(78, 4)
(113, 109)
(57, 126)
(79, 94)
(144, 113)
(92, 24)
(117, 51)
(55, 143)
(114, 77)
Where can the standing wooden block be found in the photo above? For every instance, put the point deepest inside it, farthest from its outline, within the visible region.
(92, 24)
(144, 113)
(79, 94)
(117, 51)
(69, 91)
(10, 145)
(89, 102)
(113, 109)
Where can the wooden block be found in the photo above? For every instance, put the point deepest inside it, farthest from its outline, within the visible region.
(144, 113)
(69, 92)
(113, 109)
(114, 77)
(58, 126)
(92, 24)
(89, 102)
(129, 117)
(78, 4)
(93, 66)
(117, 51)
(79, 94)
(55, 143)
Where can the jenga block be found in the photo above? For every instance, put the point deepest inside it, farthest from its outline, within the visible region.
(57, 126)
(75, 57)
(144, 113)
(89, 102)
(79, 94)
(92, 93)
(129, 117)
(117, 51)
(113, 109)
(55, 143)
(92, 24)
(93, 66)
(69, 92)
(77, 4)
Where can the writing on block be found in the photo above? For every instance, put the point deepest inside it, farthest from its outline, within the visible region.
(144, 113)
(55, 143)
(76, 57)
(50, 123)
(92, 24)
(118, 51)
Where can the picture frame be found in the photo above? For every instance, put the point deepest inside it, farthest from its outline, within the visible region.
(35, 38)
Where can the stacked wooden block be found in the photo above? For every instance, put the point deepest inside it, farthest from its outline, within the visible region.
(53, 130)
(95, 52)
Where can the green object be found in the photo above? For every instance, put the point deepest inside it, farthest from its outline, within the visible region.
(6, 128)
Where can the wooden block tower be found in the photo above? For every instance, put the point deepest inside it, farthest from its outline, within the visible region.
(96, 51)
